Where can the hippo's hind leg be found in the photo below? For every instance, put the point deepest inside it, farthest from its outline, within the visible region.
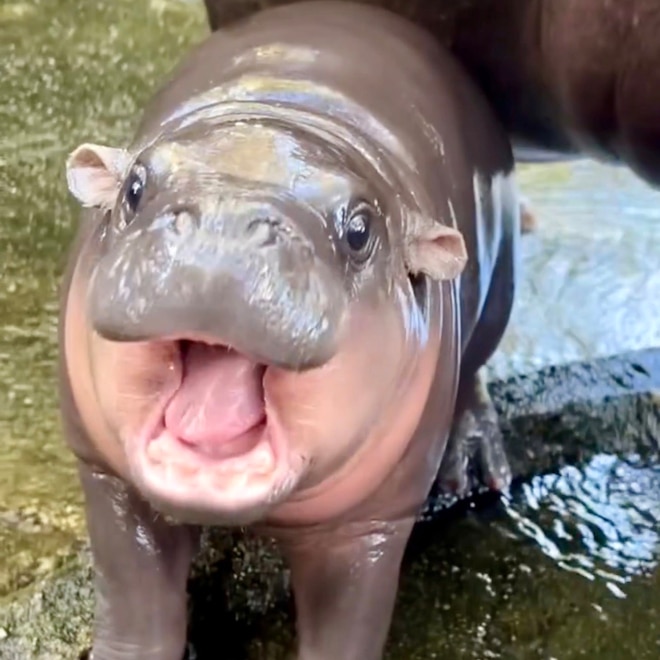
(475, 452)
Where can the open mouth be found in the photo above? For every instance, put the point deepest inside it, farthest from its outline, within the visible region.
(214, 445)
(220, 403)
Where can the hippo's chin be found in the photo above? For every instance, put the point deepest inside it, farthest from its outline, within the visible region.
(215, 453)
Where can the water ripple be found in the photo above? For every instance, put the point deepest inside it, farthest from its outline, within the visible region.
(600, 521)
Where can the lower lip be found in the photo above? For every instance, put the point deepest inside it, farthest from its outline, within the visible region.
(165, 448)
(232, 448)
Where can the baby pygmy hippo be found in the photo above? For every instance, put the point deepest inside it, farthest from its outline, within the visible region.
(276, 311)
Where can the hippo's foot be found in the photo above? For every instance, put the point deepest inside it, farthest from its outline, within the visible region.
(475, 454)
(528, 220)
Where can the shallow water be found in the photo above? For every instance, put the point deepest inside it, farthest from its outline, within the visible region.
(564, 567)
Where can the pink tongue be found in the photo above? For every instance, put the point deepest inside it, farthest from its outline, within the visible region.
(219, 399)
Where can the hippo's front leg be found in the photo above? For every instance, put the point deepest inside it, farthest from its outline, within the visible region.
(141, 567)
(475, 453)
(345, 583)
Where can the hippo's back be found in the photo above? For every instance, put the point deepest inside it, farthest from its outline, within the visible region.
(393, 69)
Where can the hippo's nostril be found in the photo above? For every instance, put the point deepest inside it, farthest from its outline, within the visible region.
(183, 222)
(263, 231)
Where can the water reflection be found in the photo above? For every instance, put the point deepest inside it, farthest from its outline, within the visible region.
(600, 521)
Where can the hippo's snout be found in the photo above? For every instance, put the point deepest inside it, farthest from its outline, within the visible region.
(259, 276)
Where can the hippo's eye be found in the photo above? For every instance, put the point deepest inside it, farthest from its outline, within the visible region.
(135, 188)
(358, 229)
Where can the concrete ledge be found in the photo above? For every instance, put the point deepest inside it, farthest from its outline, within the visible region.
(557, 416)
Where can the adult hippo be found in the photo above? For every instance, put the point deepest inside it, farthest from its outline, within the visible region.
(568, 78)
(280, 299)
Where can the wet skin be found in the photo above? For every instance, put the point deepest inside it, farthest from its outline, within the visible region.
(277, 307)
(568, 78)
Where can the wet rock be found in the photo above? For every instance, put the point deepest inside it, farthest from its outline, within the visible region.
(52, 621)
(557, 416)
(567, 413)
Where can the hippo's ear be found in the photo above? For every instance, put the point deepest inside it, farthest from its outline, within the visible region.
(436, 250)
(94, 173)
